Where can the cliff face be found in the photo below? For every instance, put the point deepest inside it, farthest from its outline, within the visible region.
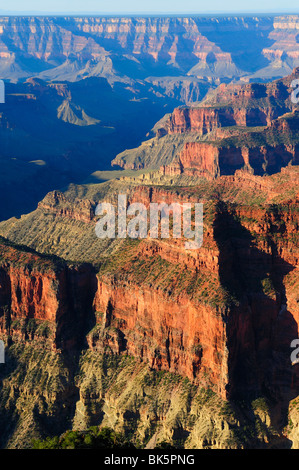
(172, 335)
(207, 119)
(83, 209)
(222, 317)
(171, 318)
(195, 159)
(178, 333)
(252, 272)
(199, 159)
(38, 291)
(230, 105)
(252, 127)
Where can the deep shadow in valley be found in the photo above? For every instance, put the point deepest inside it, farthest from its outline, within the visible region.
(260, 327)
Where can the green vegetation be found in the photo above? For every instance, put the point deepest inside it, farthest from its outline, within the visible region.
(93, 438)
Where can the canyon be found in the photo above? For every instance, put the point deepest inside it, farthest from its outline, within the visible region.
(53, 134)
(75, 87)
(216, 321)
(122, 49)
(169, 346)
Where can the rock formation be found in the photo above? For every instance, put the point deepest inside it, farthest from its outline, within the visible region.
(252, 127)
(223, 316)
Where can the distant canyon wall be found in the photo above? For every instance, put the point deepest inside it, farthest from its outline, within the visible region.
(204, 47)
